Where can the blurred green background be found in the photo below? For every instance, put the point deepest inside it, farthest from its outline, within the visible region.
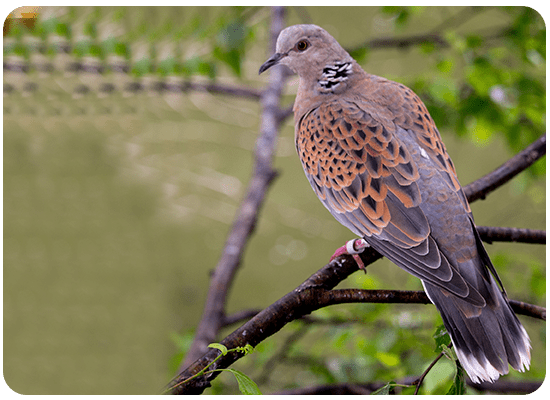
(117, 200)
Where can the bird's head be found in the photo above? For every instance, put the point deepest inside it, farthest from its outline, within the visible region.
(306, 49)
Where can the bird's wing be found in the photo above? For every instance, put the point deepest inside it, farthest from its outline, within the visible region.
(368, 180)
(411, 114)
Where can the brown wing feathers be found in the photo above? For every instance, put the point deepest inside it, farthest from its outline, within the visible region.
(368, 181)
(359, 161)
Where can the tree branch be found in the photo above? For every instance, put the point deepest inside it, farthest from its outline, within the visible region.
(245, 220)
(492, 234)
(269, 321)
(311, 295)
(493, 180)
(529, 310)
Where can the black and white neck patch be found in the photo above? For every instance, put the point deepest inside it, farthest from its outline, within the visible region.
(333, 75)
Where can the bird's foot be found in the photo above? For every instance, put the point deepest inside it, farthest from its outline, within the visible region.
(354, 248)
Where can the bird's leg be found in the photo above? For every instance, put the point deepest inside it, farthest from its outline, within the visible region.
(354, 248)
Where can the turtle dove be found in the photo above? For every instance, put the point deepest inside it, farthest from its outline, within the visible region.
(375, 159)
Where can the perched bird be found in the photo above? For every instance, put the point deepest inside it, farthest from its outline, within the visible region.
(375, 159)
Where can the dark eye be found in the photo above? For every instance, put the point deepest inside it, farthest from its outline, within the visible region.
(302, 45)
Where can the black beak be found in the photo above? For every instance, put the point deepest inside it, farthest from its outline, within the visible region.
(273, 60)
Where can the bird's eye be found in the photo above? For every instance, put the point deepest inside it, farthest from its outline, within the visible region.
(302, 45)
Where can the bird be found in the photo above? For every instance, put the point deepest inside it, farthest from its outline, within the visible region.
(375, 158)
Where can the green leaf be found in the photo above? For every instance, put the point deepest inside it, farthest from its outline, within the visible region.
(458, 387)
(428, 47)
(90, 29)
(246, 385)
(247, 349)
(449, 353)
(442, 338)
(220, 347)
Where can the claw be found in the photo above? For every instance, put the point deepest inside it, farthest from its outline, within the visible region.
(354, 248)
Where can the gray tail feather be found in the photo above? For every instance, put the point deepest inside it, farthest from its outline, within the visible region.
(485, 339)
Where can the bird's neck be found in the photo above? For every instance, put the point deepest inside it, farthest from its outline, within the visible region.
(332, 79)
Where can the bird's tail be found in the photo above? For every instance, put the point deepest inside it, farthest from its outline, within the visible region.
(486, 339)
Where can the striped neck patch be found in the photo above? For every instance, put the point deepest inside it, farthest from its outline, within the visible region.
(333, 75)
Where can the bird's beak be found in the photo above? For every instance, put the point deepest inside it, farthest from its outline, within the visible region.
(273, 60)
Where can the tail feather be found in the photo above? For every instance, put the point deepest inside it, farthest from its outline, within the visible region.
(486, 339)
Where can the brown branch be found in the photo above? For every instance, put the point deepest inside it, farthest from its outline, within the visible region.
(269, 321)
(404, 42)
(176, 87)
(344, 296)
(245, 220)
(493, 180)
(529, 310)
(492, 234)
(311, 295)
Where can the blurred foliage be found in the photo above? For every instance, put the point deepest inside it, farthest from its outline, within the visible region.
(494, 78)
(487, 81)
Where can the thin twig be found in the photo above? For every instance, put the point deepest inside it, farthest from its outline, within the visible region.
(421, 379)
